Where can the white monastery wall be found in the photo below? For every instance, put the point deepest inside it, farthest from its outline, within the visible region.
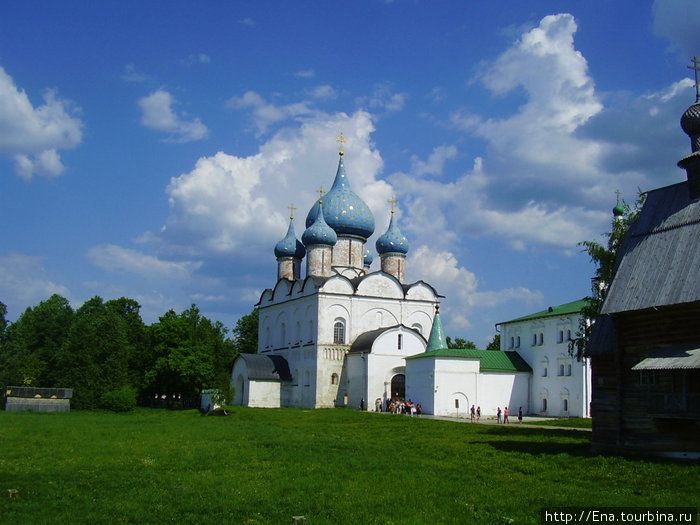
(503, 389)
(561, 385)
(420, 383)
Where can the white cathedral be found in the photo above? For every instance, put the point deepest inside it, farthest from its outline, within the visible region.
(346, 336)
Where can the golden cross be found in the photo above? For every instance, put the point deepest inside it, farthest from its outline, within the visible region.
(320, 194)
(695, 67)
(341, 140)
(393, 203)
(291, 209)
(618, 193)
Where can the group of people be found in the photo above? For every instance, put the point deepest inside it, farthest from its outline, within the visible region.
(501, 416)
(398, 406)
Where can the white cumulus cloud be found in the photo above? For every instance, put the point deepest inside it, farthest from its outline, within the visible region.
(24, 281)
(229, 204)
(159, 115)
(32, 135)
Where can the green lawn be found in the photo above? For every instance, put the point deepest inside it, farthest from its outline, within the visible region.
(570, 422)
(332, 466)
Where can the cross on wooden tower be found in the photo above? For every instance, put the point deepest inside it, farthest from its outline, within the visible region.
(341, 140)
(393, 203)
(695, 68)
(291, 209)
(320, 194)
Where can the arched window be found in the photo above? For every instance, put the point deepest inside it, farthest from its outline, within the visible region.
(541, 338)
(534, 339)
(418, 327)
(334, 379)
(544, 404)
(560, 337)
(399, 343)
(565, 405)
(568, 369)
(339, 331)
(517, 342)
(561, 369)
(512, 342)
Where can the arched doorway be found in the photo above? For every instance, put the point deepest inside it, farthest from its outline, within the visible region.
(398, 386)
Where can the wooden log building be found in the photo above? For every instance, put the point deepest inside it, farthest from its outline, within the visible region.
(645, 345)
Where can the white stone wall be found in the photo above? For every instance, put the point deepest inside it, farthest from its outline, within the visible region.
(420, 383)
(455, 386)
(450, 386)
(318, 261)
(394, 264)
(297, 321)
(503, 389)
(551, 352)
(261, 394)
(349, 252)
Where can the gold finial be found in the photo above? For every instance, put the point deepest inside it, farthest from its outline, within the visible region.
(341, 140)
(393, 203)
(291, 209)
(695, 68)
(320, 194)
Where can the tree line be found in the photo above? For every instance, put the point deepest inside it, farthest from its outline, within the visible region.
(105, 352)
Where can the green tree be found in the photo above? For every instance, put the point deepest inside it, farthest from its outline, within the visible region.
(137, 348)
(245, 333)
(31, 344)
(191, 353)
(495, 343)
(94, 358)
(460, 343)
(604, 257)
(3, 321)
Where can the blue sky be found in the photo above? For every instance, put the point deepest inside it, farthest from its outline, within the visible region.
(150, 149)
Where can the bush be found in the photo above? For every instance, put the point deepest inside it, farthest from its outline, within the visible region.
(122, 400)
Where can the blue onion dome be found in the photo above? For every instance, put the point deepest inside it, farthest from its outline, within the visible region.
(319, 232)
(393, 241)
(690, 123)
(343, 210)
(290, 245)
(368, 258)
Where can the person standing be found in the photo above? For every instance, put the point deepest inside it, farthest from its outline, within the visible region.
(498, 415)
(520, 415)
(478, 413)
(473, 412)
(505, 415)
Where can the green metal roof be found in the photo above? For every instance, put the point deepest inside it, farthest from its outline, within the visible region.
(490, 360)
(553, 311)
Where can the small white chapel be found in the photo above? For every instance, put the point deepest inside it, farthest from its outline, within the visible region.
(343, 335)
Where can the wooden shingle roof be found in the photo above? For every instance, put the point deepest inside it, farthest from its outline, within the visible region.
(659, 260)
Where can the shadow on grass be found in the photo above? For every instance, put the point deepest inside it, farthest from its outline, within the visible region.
(535, 441)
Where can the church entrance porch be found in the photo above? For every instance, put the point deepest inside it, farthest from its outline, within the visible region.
(398, 386)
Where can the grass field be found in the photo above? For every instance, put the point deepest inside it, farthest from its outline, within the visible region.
(331, 466)
(569, 422)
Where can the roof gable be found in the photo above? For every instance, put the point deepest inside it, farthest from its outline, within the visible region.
(490, 360)
(659, 260)
(571, 308)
